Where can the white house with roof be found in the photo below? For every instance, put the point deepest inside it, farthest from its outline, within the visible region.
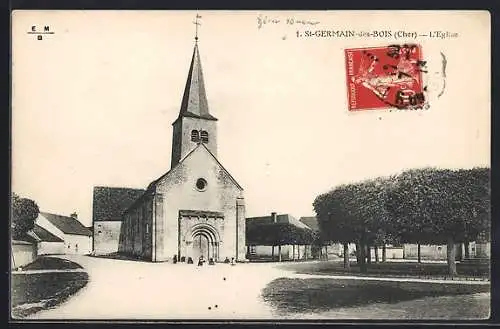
(47, 243)
(77, 239)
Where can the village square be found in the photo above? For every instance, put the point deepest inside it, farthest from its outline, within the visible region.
(411, 244)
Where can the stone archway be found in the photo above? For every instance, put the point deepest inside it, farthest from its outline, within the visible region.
(200, 246)
(205, 241)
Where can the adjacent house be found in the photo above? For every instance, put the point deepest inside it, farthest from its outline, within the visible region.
(109, 204)
(77, 238)
(278, 237)
(47, 243)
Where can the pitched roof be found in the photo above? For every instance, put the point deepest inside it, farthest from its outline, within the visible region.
(194, 101)
(282, 219)
(26, 240)
(44, 235)
(156, 181)
(66, 224)
(110, 202)
(311, 221)
(286, 230)
(153, 184)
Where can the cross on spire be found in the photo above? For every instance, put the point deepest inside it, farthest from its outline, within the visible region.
(197, 23)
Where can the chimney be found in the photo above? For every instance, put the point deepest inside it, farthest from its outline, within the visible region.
(274, 217)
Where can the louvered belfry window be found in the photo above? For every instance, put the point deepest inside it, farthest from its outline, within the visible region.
(204, 136)
(195, 136)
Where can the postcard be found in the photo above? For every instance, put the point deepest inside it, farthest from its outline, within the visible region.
(250, 165)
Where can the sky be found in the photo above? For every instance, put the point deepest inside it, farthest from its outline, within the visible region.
(93, 103)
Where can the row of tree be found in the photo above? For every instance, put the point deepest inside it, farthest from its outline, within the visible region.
(423, 206)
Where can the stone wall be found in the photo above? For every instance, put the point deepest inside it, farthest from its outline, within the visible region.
(77, 244)
(390, 253)
(106, 237)
(241, 229)
(136, 232)
(50, 248)
(427, 252)
(22, 253)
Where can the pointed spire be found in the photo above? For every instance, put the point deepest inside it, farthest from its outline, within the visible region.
(194, 101)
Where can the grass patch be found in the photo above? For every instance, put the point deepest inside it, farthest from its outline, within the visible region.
(393, 269)
(288, 295)
(463, 307)
(52, 263)
(34, 292)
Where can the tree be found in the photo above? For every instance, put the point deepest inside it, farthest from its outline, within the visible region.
(418, 205)
(24, 214)
(423, 206)
(334, 218)
(476, 183)
(372, 195)
(440, 206)
(384, 236)
(351, 213)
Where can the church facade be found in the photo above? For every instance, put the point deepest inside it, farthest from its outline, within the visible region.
(196, 208)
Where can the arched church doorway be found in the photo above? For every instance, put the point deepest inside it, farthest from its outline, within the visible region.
(205, 243)
(200, 246)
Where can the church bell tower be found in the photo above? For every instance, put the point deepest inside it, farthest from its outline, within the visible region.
(194, 124)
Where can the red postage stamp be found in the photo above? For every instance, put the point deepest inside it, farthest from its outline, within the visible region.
(385, 77)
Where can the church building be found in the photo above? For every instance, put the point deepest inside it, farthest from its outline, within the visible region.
(196, 208)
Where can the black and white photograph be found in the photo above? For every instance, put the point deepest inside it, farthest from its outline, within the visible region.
(250, 165)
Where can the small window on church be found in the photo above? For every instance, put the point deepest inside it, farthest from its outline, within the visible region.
(204, 136)
(201, 184)
(147, 228)
(195, 136)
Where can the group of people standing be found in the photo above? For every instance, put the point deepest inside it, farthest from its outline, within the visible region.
(211, 261)
(202, 261)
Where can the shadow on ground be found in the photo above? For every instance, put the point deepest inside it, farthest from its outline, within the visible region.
(394, 269)
(316, 295)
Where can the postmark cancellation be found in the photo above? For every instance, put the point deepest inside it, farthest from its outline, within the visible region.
(387, 77)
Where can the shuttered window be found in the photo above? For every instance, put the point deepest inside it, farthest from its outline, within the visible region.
(195, 136)
(204, 136)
